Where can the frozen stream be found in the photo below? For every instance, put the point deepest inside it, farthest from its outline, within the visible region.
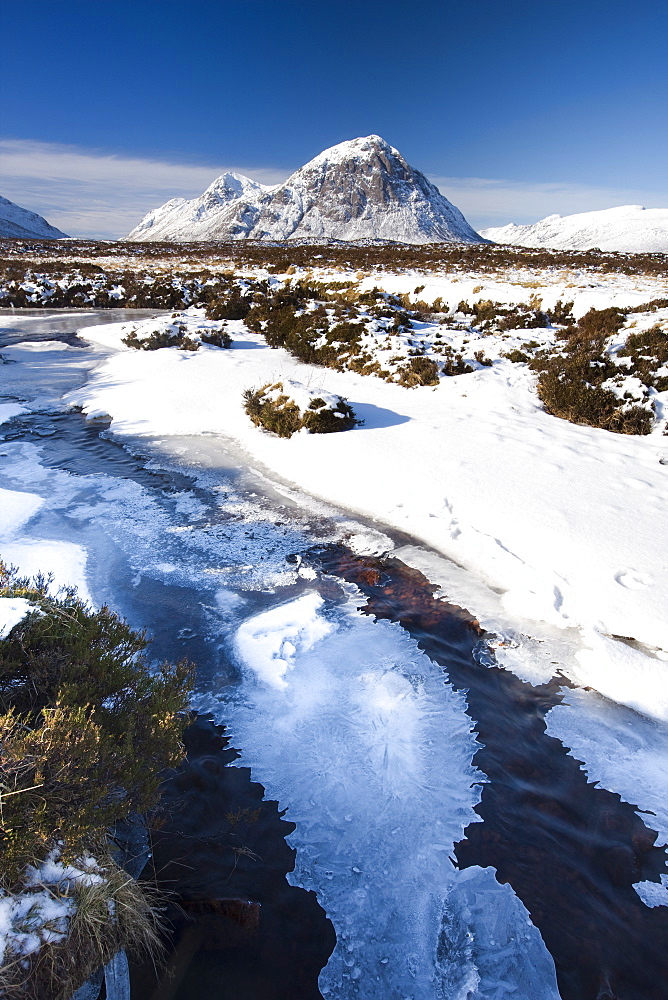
(413, 773)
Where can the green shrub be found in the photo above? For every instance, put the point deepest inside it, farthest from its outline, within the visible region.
(570, 382)
(454, 364)
(280, 416)
(321, 419)
(162, 338)
(482, 360)
(566, 393)
(86, 725)
(561, 314)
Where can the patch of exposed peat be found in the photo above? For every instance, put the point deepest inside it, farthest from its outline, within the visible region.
(569, 850)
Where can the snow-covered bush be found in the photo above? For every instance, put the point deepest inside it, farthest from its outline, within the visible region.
(231, 306)
(184, 330)
(285, 407)
(419, 371)
(648, 352)
(578, 381)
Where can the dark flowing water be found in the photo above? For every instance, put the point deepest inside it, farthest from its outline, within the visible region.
(239, 929)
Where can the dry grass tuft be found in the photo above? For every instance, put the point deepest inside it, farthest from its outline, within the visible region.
(117, 913)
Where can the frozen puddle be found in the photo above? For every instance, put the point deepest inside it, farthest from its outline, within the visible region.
(357, 733)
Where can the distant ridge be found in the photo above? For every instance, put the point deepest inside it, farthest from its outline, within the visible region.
(629, 228)
(20, 222)
(362, 189)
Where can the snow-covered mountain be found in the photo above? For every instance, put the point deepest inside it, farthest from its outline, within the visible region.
(17, 221)
(361, 189)
(629, 228)
(182, 216)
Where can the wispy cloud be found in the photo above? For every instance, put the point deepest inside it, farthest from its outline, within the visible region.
(92, 193)
(88, 192)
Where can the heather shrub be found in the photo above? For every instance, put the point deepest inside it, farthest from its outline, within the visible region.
(280, 415)
(452, 363)
(482, 359)
(273, 409)
(570, 382)
(320, 418)
(419, 371)
(162, 338)
(561, 314)
(648, 352)
(232, 306)
(216, 338)
(86, 725)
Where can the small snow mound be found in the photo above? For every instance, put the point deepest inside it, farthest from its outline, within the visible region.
(269, 642)
(12, 611)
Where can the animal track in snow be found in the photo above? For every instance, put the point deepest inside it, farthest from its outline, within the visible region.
(633, 580)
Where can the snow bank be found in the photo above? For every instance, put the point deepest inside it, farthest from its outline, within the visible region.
(66, 560)
(17, 509)
(609, 664)
(9, 410)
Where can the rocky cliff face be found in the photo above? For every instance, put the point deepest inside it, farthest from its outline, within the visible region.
(19, 222)
(362, 189)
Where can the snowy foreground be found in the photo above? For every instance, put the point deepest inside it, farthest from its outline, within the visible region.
(561, 528)
(552, 534)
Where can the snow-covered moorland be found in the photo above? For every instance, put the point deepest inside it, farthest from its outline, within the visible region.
(629, 228)
(562, 524)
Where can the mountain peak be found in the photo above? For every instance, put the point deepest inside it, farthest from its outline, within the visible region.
(359, 189)
(363, 146)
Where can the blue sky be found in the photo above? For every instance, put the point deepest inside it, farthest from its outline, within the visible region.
(516, 109)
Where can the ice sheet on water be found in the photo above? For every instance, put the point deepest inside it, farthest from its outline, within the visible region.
(653, 893)
(175, 537)
(488, 948)
(371, 750)
(622, 751)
